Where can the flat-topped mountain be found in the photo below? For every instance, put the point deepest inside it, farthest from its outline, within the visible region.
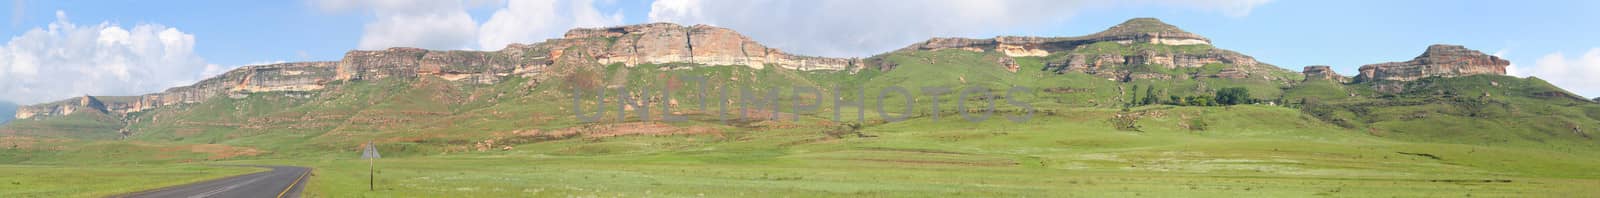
(1121, 51)
(1439, 60)
(657, 43)
(1138, 30)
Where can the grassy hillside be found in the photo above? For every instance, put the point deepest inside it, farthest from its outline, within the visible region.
(1478, 110)
(1450, 137)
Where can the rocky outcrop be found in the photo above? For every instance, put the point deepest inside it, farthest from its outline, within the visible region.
(1438, 61)
(1138, 30)
(656, 43)
(1115, 66)
(1323, 72)
(302, 76)
(468, 66)
(659, 43)
(64, 107)
(1135, 36)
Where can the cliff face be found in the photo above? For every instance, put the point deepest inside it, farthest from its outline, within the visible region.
(655, 43)
(1323, 72)
(1102, 63)
(1440, 60)
(304, 76)
(701, 44)
(469, 66)
(1138, 30)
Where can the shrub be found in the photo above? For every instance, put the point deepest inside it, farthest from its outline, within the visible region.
(1233, 96)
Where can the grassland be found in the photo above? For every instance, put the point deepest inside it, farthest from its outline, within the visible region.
(101, 180)
(1052, 156)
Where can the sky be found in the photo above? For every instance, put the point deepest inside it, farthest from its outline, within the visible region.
(59, 49)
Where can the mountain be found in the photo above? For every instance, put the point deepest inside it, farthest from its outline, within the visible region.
(1125, 52)
(441, 101)
(7, 111)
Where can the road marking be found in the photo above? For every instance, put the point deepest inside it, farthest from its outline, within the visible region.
(296, 181)
(227, 188)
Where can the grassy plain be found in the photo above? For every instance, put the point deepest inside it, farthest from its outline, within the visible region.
(103, 180)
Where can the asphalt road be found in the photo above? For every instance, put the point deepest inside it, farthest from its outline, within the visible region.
(282, 181)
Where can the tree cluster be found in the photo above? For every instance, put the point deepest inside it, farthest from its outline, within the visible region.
(1223, 97)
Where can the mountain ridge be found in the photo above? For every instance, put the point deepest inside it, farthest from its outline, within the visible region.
(1136, 50)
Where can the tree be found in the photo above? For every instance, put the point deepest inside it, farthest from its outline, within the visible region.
(1150, 96)
(1596, 99)
(1135, 99)
(1199, 101)
(1233, 96)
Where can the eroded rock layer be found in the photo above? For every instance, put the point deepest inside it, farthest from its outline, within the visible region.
(1323, 72)
(658, 43)
(1138, 30)
(1440, 60)
(302, 76)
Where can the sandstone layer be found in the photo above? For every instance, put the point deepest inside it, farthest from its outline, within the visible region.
(1323, 72)
(658, 43)
(1148, 41)
(1438, 61)
(302, 76)
(1138, 30)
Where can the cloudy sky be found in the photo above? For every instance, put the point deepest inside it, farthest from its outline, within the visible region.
(60, 49)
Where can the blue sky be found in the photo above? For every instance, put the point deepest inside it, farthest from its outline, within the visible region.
(1549, 39)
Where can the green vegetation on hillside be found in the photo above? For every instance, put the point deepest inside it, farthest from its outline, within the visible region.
(1087, 136)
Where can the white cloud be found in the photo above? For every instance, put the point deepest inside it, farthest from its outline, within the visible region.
(432, 24)
(1580, 74)
(64, 60)
(445, 24)
(532, 21)
(859, 28)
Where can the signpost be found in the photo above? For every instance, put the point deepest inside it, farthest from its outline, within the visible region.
(371, 154)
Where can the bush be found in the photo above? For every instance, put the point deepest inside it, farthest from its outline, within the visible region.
(1233, 96)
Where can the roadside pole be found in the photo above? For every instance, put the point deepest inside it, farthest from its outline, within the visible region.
(371, 155)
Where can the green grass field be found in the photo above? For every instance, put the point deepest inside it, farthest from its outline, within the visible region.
(920, 158)
(99, 181)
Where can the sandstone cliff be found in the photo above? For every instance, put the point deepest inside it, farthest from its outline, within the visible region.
(1439, 60)
(1138, 30)
(657, 43)
(304, 76)
(1323, 72)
